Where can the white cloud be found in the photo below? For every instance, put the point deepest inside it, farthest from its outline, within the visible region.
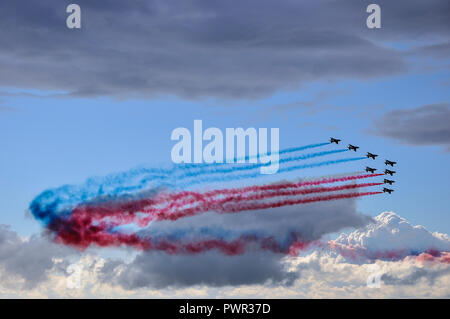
(392, 236)
(322, 273)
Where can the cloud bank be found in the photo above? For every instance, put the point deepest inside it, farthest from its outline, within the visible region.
(392, 233)
(320, 272)
(198, 49)
(307, 223)
(28, 261)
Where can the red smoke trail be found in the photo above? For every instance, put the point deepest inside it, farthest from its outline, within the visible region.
(226, 205)
(221, 204)
(279, 193)
(163, 198)
(220, 207)
(82, 230)
(76, 233)
(127, 210)
(356, 252)
(205, 204)
(440, 257)
(188, 197)
(290, 202)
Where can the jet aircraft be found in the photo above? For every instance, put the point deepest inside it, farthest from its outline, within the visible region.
(334, 140)
(386, 171)
(388, 162)
(370, 169)
(370, 155)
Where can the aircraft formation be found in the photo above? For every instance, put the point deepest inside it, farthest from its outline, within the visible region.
(371, 169)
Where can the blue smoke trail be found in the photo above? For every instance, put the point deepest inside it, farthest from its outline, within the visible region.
(170, 177)
(211, 179)
(58, 202)
(247, 158)
(213, 170)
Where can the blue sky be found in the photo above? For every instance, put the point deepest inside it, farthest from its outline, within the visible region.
(49, 141)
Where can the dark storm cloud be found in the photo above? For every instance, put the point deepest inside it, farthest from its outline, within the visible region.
(28, 259)
(425, 125)
(159, 270)
(156, 269)
(197, 48)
